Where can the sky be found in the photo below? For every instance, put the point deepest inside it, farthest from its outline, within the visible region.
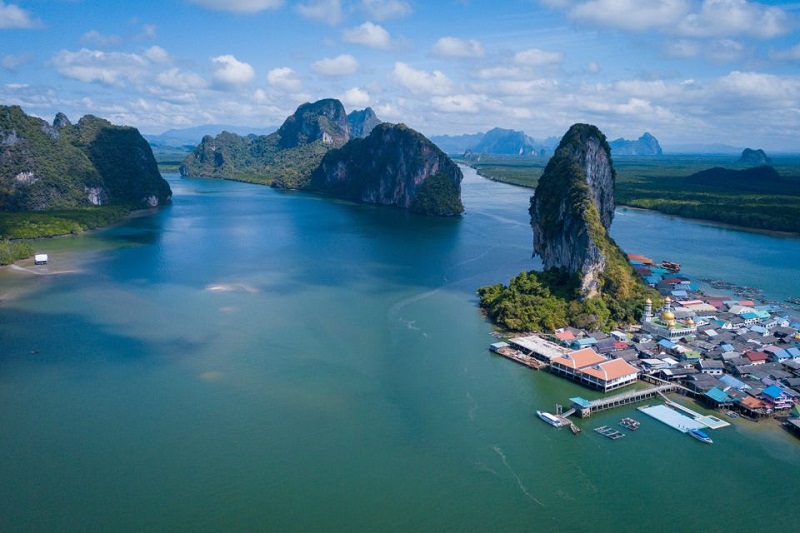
(687, 71)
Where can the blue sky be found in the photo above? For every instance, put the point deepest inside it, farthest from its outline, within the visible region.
(699, 71)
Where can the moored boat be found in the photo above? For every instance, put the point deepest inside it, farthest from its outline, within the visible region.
(701, 436)
(550, 419)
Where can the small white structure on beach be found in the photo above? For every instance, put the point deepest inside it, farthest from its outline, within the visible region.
(40, 259)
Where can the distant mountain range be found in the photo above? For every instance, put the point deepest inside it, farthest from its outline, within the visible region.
(644, 145)
(192, 136)
(495, 141)
(499, 141)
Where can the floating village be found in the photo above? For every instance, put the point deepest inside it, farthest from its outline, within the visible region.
(738, 356)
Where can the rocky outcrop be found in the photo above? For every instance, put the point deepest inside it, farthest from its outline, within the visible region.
(754, 158)
(573, 207)
(283, 159)
(324, 120)
(362, 122)
(396, 166)
(61, 165)
(644, 145)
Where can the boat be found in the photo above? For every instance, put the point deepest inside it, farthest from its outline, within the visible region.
(672, 267)
(629, 423)
(701, 436)
(550, 419)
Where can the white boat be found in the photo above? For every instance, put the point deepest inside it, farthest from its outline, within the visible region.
(701, 436)
(550, 419)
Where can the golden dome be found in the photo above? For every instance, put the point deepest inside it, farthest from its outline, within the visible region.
(690, 322)
(668, 316)
(667, 300)
(648, 301)
(671, 323)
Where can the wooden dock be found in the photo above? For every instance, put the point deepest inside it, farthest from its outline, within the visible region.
(587, 407)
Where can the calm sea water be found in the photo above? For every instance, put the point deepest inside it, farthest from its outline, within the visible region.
(256, 360)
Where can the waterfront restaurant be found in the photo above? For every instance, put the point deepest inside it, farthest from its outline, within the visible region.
(609, 375)
(568, 364)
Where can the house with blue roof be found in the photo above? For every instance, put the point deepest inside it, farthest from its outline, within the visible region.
(718, 397)
(779, 398)
(734, 383)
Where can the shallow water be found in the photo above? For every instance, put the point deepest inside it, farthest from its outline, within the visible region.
(251, 359)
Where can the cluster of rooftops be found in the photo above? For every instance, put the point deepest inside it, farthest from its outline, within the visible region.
(733, 354)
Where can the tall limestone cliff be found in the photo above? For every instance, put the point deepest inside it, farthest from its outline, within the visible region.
(324, 121)
(393, 165)
(62, 165)
(572, 209)
(283, 159)
(362, 122)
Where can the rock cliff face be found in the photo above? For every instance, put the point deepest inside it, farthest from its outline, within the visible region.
(283, 159)
(394, 165)
(573, 206)
(644, 145)
(362, 122)
(324, 120)
(61, 165)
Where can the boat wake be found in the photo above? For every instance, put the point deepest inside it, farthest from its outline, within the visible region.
(522, 487)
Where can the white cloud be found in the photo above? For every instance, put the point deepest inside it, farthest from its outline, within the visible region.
(11, 62)
(13, 16)
(458, 103)
(637, 15)
(284, 79)
(460, 48)
(156, 54)
(420, 81)
(108, 68)
(355, 97)
(180, 80)
(709, 18)
(533, 57)
(370, 35)
(342, 65)
(792, 54)
(96, 38)
(718, 18)
(239, 6)
(328, 11)
(230, 72)
(385, 9)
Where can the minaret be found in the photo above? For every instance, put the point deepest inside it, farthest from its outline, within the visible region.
(648, 311)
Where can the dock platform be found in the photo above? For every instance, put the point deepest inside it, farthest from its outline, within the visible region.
(671, 417)
(707, 420)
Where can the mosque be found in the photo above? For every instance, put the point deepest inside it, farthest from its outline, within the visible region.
(666, 325)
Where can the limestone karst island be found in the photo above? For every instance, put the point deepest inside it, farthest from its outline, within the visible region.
(591, 316)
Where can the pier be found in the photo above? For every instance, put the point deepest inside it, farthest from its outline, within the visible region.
(587, 407)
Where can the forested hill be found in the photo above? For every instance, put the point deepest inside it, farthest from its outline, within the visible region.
(63, 165)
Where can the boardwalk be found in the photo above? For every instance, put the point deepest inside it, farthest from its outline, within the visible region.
(586, 407)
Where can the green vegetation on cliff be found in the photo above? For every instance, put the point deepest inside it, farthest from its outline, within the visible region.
(589, 282)
(65, 166)
(283, 159)
(545, 301)
(437, 196)
(394, 165)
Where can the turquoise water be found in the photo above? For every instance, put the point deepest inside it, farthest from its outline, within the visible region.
(251, 359)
